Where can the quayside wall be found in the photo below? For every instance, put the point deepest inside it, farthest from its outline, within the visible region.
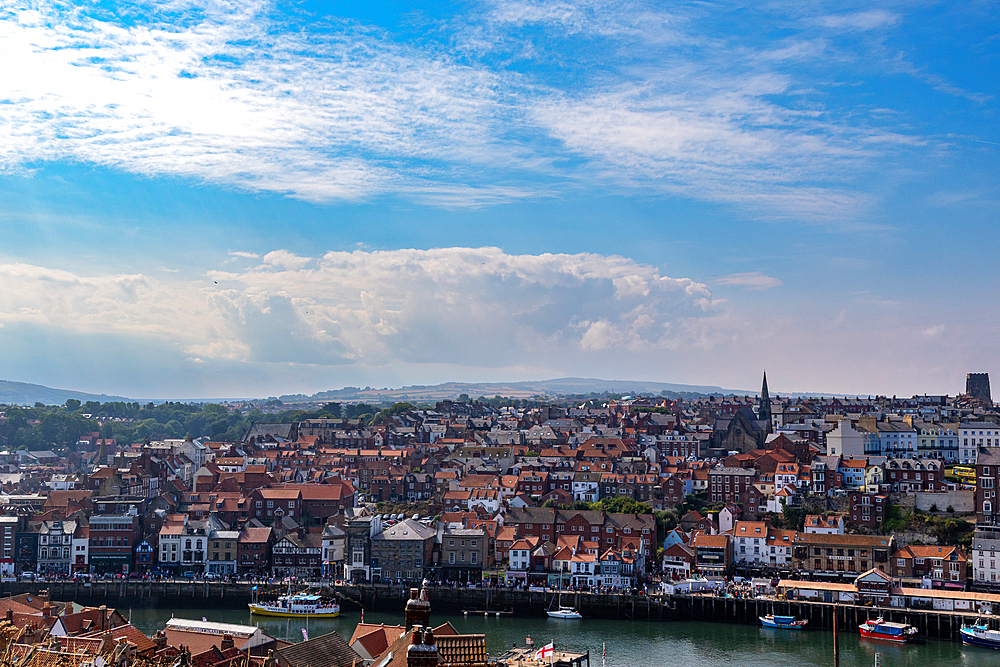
(931, 624)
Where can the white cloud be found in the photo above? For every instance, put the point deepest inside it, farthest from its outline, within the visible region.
(243, 254)
(416, 316)
(241, 96)
(934, 331)
(871, 19)
(285, 259)
(465, 306)
(752, 280)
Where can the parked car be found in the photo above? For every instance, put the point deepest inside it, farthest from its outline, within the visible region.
(189, 574)
(211, 576)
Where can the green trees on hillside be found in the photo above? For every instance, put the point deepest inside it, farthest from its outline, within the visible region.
(48, 427)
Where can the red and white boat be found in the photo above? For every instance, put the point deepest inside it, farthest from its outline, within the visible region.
(887, 631)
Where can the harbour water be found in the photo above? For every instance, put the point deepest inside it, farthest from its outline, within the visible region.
(630, 643)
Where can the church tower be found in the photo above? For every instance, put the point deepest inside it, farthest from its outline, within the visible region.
(764, 411)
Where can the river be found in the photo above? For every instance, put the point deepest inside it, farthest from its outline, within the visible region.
(630, 643)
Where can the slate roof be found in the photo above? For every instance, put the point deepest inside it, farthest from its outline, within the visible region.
(329, 650)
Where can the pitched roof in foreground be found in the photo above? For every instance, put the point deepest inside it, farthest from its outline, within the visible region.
(329, 650)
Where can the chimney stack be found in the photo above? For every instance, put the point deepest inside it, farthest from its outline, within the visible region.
(227, 642)
(422, 651)
(160, 639)
(418, 609)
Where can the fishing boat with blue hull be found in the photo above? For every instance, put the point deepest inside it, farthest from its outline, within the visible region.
(783, 622)
(980, 634)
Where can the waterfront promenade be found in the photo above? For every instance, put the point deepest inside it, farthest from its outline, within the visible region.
(708, 608)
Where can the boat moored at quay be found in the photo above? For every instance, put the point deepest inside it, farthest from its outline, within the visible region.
(887, 631)
(782, 622)
(980, 634)
(296, 605)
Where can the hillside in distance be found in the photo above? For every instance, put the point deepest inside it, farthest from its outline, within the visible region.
(25, 393)
(555, 387)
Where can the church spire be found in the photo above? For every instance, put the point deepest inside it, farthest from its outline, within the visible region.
(764, 411)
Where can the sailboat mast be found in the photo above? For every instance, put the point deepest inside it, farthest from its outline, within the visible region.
(836, 643)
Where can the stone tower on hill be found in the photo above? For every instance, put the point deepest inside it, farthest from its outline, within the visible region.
(977, 386)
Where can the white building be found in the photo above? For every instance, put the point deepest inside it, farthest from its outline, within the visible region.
(984, 559)
(55, 546)
(938, 441)
(334, 549)
(586, 486)
(81, 549)
(897, 440)
(845, 440)
(519, 555)
(8, 529)
(488, 499)
(973, 435)
(583, 568)
(779, 547)
(750, 542)
(825, 525)
(63, 482)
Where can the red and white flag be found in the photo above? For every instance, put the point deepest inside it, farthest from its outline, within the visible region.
(544, 652)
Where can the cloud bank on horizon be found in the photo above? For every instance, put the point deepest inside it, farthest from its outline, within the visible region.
(827, 138)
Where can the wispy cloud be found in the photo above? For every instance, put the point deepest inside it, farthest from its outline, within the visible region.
(241, 95)
(752, 280)
(871, 19)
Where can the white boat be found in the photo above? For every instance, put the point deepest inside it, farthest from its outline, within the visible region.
(296, 605)
(564, 612)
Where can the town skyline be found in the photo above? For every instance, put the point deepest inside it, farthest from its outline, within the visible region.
(24, 393)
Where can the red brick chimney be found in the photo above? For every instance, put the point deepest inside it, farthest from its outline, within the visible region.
(160, 639)
(422, 651)
(227, 642)
(46, 610)
(418, 609)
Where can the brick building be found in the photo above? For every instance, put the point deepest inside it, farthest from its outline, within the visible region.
(841, 555)
(733, 485)
(987, 467)
(867, 509)
(112, 540)
(939, 564)
(270, 504)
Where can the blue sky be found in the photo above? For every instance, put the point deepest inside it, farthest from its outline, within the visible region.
(253, 198)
